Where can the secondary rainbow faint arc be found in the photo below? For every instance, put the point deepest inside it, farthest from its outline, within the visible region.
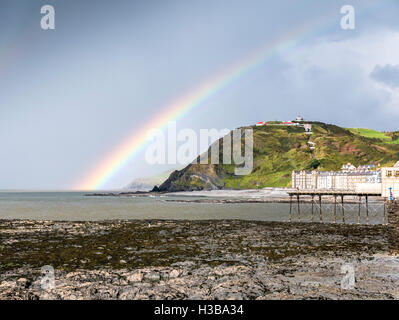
(120, 156)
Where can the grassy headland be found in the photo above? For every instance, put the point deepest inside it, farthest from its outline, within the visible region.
(278, 150)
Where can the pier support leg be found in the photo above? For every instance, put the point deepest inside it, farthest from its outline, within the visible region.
(358, 213)
(299, 208)
(367, 210)
(321, 214)
(312, 208)
(342, 209)
(335, 209)
(290, 218)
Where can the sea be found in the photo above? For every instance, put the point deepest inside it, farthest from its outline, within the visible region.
(77, 206)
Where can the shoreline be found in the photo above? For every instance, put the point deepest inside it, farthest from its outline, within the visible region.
(183, 259)
(267, 195)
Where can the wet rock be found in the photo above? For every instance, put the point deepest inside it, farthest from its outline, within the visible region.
(174, 273)
(135, 277)
(200, 260)
(153, 276)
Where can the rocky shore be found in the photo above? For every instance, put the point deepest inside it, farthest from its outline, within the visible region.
(224, 259)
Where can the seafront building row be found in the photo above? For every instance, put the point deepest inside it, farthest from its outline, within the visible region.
(350, 178)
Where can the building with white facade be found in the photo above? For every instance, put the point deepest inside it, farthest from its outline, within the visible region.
(348, 167)
(334, 180)
(390, 181)
(359, 180)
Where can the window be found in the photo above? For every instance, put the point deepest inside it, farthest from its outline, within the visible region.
(389, 173)
(396, 173)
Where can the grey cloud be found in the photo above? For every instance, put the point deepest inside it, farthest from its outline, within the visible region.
(388, 75)
(69, 97)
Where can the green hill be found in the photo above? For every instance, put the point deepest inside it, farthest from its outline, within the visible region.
(278, 150)
(387, 137)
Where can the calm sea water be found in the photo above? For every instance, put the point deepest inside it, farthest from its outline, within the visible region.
(77, 206)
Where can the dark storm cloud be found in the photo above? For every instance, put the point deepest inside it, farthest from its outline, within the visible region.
(70, 95)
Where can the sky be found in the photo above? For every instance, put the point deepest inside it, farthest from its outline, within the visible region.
(70, 96)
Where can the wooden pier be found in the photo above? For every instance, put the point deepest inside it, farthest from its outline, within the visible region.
(318, 194)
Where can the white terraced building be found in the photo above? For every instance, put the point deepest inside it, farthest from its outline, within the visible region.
(360, 180)
(333, 180)
(390, 181)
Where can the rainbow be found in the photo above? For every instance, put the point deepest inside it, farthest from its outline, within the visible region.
(138, 139)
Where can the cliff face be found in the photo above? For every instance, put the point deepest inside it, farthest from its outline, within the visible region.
(278, 150)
